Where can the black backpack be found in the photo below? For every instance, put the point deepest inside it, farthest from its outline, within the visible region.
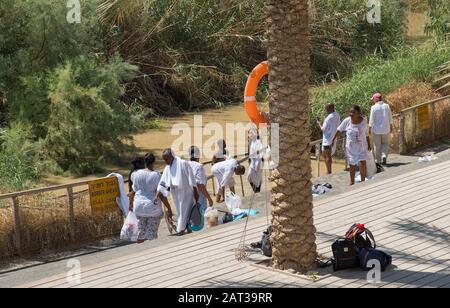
(366, 255)
(345, 255)
(266, 245)
(361, 236)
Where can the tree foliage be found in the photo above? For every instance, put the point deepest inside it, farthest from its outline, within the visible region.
(84, 88)
(22, 159)
(438, 24)
(55, 76)
(87, 121)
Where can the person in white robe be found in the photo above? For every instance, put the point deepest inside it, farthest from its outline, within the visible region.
(329, 129)
(255, 172)
(224, 172)
(178, 180)
(201, 179)
(221, 155)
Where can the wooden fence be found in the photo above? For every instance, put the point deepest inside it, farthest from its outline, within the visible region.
(421, 125)
(82, 187)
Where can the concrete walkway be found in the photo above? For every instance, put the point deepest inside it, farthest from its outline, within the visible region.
(408, 213)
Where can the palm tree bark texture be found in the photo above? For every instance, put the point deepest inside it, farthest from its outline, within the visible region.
(293, 235)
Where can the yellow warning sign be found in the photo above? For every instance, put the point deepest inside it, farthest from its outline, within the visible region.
(423, 115)
(103, 194)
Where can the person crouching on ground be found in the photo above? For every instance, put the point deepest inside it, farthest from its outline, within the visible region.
(201, 179)
(358, 142)
(148, 210)
(329, 129)
(179, 180)
(224, 172)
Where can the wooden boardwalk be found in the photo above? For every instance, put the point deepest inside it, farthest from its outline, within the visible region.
(409, 215)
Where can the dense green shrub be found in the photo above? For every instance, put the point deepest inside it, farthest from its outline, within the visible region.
(341, 33)
(87, 121)
(198, 52)
(438, 24)
(22, 159)
(55, 76)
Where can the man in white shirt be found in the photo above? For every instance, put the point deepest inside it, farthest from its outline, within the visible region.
(179, 180)
(329, 129)
(380, 127)
(224, 172)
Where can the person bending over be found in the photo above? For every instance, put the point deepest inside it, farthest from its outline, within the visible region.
(224, 172)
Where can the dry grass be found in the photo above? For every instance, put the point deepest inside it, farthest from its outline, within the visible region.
(411, 94)
(45, 224)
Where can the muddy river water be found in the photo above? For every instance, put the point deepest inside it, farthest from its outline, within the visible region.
(210, 124)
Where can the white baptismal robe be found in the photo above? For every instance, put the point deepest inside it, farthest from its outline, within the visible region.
(179, 180)
(224, 172)
(255, 172)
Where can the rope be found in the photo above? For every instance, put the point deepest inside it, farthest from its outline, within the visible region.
(266, 179)
(242, 252)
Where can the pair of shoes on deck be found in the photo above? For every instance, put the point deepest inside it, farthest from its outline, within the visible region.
(187, 231)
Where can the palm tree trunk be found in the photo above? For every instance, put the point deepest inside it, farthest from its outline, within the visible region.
(293, 237)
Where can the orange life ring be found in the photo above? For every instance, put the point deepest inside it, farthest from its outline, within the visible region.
(251, 106)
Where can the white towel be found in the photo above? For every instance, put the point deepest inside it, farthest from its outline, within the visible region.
(122, 201)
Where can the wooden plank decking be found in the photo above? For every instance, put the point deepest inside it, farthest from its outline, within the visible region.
(409, 215)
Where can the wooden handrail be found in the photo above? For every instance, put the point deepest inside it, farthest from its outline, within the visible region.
(424, 104)
(42, 190)
(401, 116)
(34, 191)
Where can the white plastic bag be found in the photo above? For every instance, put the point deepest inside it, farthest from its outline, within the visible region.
(427, 159)
(212, 217)
(371, 165)
(232, 201)
(130, 229)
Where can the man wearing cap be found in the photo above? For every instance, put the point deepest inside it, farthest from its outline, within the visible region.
(380, 127)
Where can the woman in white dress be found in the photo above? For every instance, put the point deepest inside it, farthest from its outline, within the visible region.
(148, 210)
(358, 142)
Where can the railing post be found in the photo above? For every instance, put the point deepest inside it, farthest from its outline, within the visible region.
(401, 135)
(433, 122)
(213, 180)
(242, 186)
(414, 128)
(71, 213)
(16, 220)
(318, 159)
